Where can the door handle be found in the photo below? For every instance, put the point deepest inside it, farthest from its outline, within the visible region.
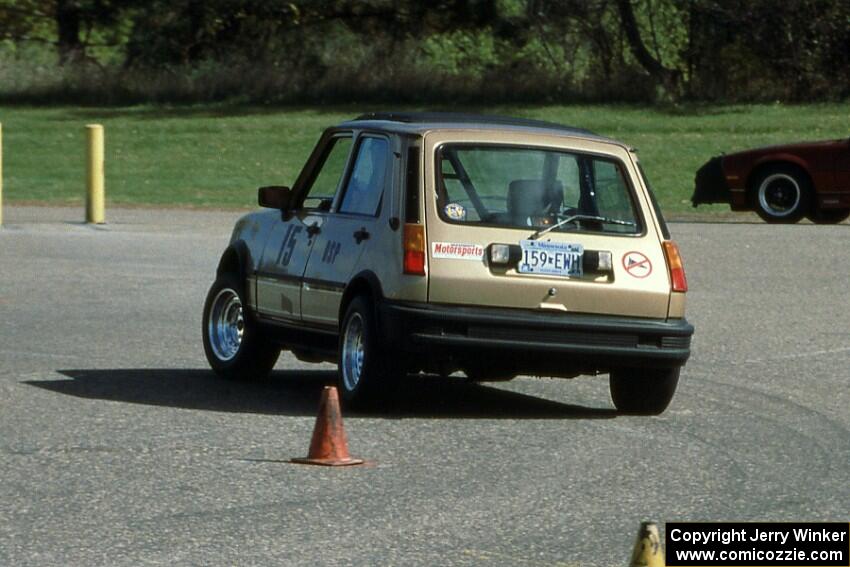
(361, 235)
(313, 229)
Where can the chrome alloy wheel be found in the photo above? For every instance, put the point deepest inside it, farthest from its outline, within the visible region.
(226, 324)
(779, 195)
(353, 352)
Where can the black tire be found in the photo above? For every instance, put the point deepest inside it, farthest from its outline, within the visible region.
(249, 356)
(828, 216)
(371, 381)
(781, 194)
(643, 391)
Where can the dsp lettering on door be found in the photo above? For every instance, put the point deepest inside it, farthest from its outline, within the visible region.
(332, 249)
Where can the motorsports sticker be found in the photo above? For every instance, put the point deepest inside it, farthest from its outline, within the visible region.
(637, 265)
(457, 251)
(761, 544)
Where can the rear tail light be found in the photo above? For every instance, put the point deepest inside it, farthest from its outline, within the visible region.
(414, 249)
(674, 264)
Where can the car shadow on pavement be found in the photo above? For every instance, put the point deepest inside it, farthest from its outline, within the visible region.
(296, 392)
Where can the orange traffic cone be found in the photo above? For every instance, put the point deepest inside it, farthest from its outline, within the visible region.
(647, 551)
(328, 446)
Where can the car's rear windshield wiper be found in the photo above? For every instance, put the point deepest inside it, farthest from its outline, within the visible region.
(572, 218)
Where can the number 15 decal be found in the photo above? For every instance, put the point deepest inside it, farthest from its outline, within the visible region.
(288, 245)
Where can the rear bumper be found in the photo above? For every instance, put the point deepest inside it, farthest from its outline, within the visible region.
(710, 184)
(582, 342)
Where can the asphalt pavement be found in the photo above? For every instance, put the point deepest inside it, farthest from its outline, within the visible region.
(119, 447)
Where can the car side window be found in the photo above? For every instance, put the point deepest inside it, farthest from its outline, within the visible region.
(322, 191)
(366, 183)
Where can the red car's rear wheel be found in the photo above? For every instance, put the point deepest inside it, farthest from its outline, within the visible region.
(781, 194)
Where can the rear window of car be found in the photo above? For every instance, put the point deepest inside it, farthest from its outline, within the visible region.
(526, 187)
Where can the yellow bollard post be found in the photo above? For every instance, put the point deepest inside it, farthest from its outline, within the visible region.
(1, 174)
(94, 175)
(647, 551)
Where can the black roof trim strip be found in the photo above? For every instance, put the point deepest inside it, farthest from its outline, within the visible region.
(463, 118)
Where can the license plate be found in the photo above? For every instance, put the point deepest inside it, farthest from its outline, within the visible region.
(550, 258)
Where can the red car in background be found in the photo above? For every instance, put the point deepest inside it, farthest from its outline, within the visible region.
(782, 183)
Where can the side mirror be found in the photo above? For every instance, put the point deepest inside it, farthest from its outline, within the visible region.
(274, 197)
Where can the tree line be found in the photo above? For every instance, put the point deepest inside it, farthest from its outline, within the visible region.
(437, 51)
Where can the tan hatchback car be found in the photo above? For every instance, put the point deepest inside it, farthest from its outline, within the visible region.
(442, 242)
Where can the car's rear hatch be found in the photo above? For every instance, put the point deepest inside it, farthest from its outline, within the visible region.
(631, 280)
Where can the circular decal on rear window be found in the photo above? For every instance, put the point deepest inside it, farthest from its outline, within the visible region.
(455, 211)
(637, 265)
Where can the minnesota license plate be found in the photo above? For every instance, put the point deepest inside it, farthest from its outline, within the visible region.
(550, 258)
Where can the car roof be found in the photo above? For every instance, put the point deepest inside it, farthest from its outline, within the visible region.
(421, 122)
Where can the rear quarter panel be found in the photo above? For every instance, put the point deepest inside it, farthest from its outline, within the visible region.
(817, 159)
(384, 259)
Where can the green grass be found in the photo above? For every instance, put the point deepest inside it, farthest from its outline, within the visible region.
(216, 156)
